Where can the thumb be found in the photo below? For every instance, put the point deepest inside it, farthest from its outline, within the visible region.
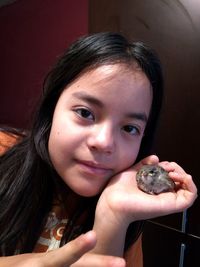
(150, 160)
(72, 251)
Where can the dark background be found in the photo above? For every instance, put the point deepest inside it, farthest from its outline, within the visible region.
(172, 28)
(34, 32)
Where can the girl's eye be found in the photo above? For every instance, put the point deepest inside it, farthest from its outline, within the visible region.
(85, 113)
(132, 130)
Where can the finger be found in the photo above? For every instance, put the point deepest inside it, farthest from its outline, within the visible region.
(164, 164)
(150, 160)
(186, 188)
(172, 167)
(185, 182)
(73, 250)
(177, 168)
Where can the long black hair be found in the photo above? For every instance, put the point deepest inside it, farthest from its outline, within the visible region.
(27, 177)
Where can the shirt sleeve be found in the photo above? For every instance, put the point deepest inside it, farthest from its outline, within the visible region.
(7, 140)
(134, 254)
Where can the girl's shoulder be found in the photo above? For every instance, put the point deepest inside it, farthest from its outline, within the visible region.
(7, 140)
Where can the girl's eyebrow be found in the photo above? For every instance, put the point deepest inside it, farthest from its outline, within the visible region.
(141, 116)
(138, 116)
(88, 98)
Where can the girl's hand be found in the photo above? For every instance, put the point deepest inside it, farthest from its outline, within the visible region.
(61, 257)
(64, 256)
(124, 202)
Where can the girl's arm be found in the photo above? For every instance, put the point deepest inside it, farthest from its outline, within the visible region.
(64, 256)
(122, 203)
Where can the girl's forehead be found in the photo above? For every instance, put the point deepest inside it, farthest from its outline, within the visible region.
(113, 70)
(111, 74)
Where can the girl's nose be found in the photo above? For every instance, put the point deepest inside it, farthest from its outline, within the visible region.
(102, 139)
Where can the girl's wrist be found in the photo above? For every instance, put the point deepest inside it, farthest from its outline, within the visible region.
(111, 232)
(110, 238)
(112, 217)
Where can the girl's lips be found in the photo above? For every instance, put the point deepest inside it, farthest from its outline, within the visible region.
(94, 168)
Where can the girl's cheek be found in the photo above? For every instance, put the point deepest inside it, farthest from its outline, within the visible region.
(128, 159)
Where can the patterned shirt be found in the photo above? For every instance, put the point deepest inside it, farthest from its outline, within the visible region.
(53, 231)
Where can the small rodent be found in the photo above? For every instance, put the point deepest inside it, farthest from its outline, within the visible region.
(154, 180)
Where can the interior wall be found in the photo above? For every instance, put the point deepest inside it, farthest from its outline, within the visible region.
(33, 34)
(172, 28)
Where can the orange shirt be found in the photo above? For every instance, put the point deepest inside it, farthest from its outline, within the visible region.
(57, 220)
(53, 231)
(6, 141)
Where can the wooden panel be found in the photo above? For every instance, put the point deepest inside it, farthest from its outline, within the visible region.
(172, 29)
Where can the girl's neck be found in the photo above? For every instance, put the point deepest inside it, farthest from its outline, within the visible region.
(68, 200)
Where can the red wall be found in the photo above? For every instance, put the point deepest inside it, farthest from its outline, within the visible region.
(32, 34)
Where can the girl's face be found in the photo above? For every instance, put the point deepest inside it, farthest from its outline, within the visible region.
(98, 125)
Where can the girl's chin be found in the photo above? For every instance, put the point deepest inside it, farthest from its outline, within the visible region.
(87, 193)
(87, 190)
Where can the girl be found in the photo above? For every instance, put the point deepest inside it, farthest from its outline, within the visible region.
(74, 170)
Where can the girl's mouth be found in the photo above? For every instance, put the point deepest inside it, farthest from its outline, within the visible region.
(94, 168)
